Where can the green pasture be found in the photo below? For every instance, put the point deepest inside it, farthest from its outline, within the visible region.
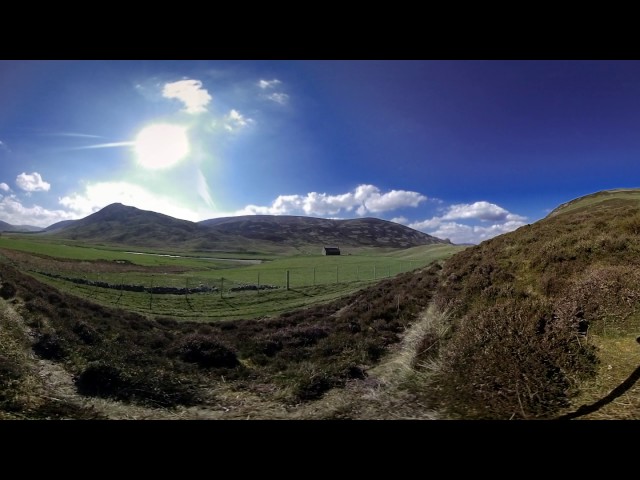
(148, 257)
(300, 280)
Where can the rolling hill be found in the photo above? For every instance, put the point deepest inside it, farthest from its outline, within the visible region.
(531, 312)
(122, 224)
(117, 223)
(292, 230)
(7, 227)
(537, 323)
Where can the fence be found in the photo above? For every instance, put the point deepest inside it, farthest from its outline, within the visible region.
(190, 294)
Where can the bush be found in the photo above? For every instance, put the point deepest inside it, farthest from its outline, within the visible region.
(86, 333)
(206, 351)
(101, 380)
(50, 347)
(513, 360)
(8, 290)
(155, 387)
(313, 386)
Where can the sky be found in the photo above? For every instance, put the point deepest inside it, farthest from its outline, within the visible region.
(459, 149)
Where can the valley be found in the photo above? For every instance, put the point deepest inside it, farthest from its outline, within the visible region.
(537, 323)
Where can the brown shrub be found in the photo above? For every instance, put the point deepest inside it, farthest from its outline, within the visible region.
(206, 351)
(514, 360)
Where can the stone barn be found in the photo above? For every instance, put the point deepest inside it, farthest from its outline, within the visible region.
(330, 251)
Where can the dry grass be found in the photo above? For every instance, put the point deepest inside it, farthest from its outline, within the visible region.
(415, 357)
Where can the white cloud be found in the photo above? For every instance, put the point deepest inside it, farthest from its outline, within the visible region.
(376, 202)
(442, 227)
(281, 98)
(401, 220)
(4, 187)
(278, 97)
(32, 182)
(99, 195)
(480, 210)
(234, 120)
(189, 92)
(460, 233)
(105, 145)
(264, 84)
(15, 213)
(427, 225)
(364, 199)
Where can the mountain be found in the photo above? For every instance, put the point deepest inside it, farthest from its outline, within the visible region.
(59, 225)
(118, 223)
(7, 227)
(526, 310)
(298, 230)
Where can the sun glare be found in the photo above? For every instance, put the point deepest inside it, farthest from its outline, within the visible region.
(161, 145)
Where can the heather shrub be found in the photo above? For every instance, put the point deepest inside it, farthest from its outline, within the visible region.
(513, 360)
(206, 351)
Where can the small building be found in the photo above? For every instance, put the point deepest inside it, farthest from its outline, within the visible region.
(330, 251)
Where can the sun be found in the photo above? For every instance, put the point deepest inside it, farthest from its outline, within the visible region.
(161, 145)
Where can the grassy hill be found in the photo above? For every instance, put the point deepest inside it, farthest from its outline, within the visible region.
(530, 312)
(296, 230)
(122, 225)
(596, 198)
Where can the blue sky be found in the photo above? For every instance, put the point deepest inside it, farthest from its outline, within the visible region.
(463, 150)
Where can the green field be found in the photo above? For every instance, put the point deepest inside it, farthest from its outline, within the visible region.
(293, 281)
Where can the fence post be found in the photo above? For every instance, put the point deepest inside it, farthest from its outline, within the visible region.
(120, 296)
(287, 279)
(151, 293)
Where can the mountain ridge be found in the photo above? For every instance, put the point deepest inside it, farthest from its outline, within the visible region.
(118, 223)
(7, 227)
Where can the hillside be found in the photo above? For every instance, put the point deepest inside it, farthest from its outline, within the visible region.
(59, 225)
(117, 223)
(6, 227)
(59, 358)
(530, 312)
(592, 200)
(297, 230)
(120, 224)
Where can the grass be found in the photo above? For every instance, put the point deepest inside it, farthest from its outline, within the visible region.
(521, 303)
(211, 306)
(619, 356)
(64, 249)
(312, 279)
(595, 198)
(531, 324)
(289, 360)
